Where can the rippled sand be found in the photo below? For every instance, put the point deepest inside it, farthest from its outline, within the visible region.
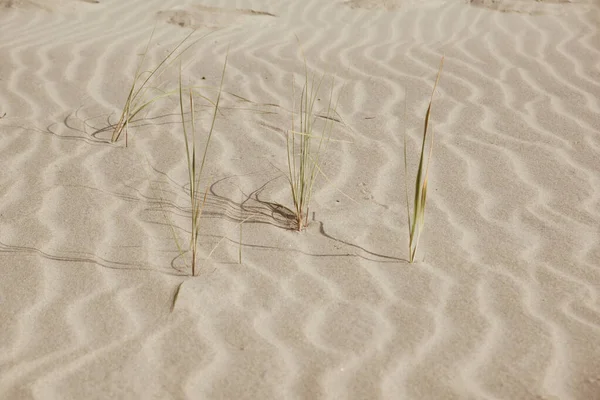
(504, 302)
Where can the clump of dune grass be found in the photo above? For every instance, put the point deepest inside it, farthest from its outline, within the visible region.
(305, 145)
(196, 167)
(417, 222)
(144, 91)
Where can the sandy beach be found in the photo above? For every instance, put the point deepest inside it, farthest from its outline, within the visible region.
(502, 302)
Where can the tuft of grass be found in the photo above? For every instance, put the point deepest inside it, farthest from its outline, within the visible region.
(304, 146)
(138, 98)
(417, 222)
(196, 167)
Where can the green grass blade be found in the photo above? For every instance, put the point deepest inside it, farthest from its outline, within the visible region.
(417, 222)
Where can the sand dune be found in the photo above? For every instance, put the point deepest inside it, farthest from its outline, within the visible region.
(503, 303)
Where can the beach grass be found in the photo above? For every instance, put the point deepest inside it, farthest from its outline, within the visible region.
(417, 222)
(196, 163)
(305, 145)
(145, 89)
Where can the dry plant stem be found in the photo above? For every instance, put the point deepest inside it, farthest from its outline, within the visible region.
(417, 222)
(303, 159)
(194, 170)
(136, 102)
(239, 225)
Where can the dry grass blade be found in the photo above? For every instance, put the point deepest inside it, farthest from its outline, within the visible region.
(240, 243)
(137, 100)
(417, 222)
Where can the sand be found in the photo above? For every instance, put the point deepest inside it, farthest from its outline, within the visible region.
(502, 303)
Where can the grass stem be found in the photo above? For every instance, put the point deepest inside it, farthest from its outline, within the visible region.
(417, 222)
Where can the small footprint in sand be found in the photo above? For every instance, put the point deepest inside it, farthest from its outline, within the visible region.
(207, 17)
(177, 17)
(368, 195)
